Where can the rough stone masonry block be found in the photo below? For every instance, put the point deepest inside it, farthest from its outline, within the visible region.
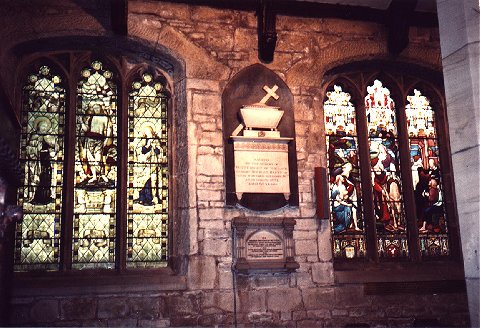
(322, 273)
(250, 301)
(284, 299)
(350, 296)
(215, 247)
(210, 164)
(209, 195)
(318, 298)
(206, 104)
(145, 307)
(305, 247)
(112, 308)
(184, 305)
(211, 139)
(45, 311)
(223, 301)
(78, 308)
(201, 272)
(212, 214)
(324, 245)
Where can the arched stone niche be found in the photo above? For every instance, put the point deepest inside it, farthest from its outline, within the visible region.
(250, 86)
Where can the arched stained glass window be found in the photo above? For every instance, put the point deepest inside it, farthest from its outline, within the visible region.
(42, 142)
(427, 182)
(97, 165)
(147, 208)
(394, 148)
(343, 173)
(94, 222)
(385, 172)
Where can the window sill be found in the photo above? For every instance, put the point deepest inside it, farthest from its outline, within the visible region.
(364, 272)
(96, 282)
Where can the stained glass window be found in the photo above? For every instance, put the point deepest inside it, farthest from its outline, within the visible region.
(427, 184)
(147, 207)
(385, 167)
(95, 193)
(41, 153)
(343, 172)
(94, 221)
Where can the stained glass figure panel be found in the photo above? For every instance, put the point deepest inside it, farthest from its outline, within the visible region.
(95, 168)
(426, 176)
(346, 215)
(147, 204)
(41, 154)
(385, 172)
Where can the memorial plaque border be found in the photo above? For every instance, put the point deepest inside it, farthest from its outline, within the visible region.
(244, 227)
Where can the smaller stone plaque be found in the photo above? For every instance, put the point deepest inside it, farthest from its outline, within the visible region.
(264, 244)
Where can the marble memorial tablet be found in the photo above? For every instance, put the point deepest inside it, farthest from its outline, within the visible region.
(261, 166)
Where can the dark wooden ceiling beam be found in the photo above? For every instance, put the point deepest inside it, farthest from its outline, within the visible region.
(119, 16)
(398, 23)
(267, 33)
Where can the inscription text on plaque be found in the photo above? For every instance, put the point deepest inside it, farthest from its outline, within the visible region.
(265, 245)
(261, 167)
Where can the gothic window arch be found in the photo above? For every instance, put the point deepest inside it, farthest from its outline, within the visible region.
(96, 149)
(388, 167)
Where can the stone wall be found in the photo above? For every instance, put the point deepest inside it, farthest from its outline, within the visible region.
(215, 44)
(461, 55)
(263, 301)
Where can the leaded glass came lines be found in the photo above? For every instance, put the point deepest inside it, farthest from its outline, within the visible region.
(427, 182)
(41, 153)
(343, 172)
(76, 225)
(147, 205)
(95, 169)
(385, 172)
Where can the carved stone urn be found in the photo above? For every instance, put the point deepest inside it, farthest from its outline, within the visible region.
(261, 116)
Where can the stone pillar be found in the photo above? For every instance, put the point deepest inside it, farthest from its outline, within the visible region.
(459, 38)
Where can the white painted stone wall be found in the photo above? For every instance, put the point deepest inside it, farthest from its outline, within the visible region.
(459, 39)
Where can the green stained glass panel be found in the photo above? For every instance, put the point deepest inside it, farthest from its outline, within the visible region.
(93, 241)
(41, 154)
(148, 174)
(95, 169)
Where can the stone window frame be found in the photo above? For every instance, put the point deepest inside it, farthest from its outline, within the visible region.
(401, 78)
(128, 60)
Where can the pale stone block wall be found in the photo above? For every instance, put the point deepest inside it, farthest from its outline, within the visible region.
(215, 44)
(460, 45)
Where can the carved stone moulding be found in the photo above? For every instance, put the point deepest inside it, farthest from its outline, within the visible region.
(264, 245)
